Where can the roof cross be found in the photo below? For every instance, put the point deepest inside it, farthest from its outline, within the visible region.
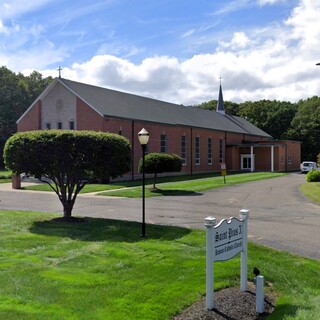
(59, 69)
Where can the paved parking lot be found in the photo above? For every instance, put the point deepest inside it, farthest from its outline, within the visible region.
(280, 216)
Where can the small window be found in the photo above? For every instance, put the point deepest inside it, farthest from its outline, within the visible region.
(163, 143)
(221, 151)
(71, 125)
(59, 125)
(290, 160)
(209, 151)
(48, 126)
(197, 150)
(184, 150)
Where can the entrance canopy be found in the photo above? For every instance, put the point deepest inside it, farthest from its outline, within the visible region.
(268, 155)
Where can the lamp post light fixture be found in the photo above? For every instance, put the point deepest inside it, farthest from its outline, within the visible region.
(143, 137)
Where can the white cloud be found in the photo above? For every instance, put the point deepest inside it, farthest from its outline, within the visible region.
(188, 33)
(3, 28)
(305, 27)
(274, 62)
(239, 41)
(14, 8)
(232, 6)
(268, 2)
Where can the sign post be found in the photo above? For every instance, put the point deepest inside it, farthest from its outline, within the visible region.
(244, 215)
(224, 241)
(210, 222)
(223, 171)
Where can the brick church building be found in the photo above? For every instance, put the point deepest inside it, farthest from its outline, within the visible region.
(202, 138)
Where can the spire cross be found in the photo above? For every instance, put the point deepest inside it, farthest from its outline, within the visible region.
(59, 69)
(220, 79)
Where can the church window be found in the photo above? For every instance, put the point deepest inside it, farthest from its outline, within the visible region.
(184, 150)
(209, 151)
(163, 143)
(197, 153)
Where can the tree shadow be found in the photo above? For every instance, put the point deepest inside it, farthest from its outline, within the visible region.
(98, 229)
(280, 311)
(176, 192)
(285, 310)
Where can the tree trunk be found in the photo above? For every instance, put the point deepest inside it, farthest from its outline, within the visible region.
(67, 210)
(154, 188)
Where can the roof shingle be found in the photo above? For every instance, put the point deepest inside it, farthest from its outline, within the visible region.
(111, 103)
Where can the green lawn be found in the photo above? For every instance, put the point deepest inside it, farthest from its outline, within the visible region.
(311, 190)
(87, 188)
(5, 176)
(103, 269)
(169, 186)
(192, 186)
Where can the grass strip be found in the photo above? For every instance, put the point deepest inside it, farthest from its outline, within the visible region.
(311, 190)
(5, 176)
(191, 186)
(180, 185)
(103, 269)
(87, 188)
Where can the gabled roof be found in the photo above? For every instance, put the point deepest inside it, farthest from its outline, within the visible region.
(116, 104)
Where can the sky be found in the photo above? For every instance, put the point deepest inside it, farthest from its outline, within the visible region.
(172, 50)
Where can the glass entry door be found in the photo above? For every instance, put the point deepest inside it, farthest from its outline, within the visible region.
(246, 162)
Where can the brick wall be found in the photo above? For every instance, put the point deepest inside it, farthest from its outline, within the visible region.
(60, 105)
(31, 120)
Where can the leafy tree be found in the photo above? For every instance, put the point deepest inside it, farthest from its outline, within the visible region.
(17, 92)
(231, 108)
(305, 127)
(271, 116)
(161, 162)
(67, 160)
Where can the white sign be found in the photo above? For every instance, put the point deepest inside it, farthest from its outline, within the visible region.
(224, 241)
(228, 236)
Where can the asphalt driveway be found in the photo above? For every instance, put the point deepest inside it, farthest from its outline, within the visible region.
(280, 216)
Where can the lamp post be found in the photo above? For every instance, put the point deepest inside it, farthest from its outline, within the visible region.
(143, 136)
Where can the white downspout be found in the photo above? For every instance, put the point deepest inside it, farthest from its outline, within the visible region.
(272, 158)
(252, 159)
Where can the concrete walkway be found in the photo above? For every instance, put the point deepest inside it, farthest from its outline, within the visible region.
(280, 216)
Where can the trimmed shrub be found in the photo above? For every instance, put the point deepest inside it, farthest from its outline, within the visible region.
(313, 176)
(67, 159)
(161, 162)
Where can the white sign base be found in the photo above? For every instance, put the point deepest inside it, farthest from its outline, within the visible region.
(224, 241)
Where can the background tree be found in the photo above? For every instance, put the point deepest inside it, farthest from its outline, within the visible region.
(161, 162)
(305, 127)
(67, 160)
(271, 116)
(230, 107)
(17, 92)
